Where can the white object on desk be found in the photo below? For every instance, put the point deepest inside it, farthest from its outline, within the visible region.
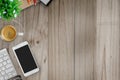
(7, 69)
(25, 59)
(45, 1)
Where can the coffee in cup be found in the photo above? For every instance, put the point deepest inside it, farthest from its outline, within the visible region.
(8, 33)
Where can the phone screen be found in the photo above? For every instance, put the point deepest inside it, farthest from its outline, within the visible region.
(25, 58)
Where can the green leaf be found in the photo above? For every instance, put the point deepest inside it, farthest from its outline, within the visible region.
(10, 9)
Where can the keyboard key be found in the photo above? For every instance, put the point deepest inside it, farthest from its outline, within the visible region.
(8, 65)
(8, 61)
(5, 54)
(3, 68)
(1, 60)
(0, 65)
(6, 77)
(1, 56)
(4, 63)
(14, 73)
(5, 58)
(10, 76)
(3, 73)
(9, 70)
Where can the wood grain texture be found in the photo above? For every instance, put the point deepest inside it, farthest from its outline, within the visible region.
(107, 62)
(71, 39)
(61, 40)
(85, 39)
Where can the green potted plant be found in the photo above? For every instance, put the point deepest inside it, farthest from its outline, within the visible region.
(9, 9)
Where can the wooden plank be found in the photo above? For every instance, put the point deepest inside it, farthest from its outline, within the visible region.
(107, 62)
(61, 40)
(85, 42)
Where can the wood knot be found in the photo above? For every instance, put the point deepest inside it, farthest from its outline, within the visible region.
(37, 42)
(45, 60)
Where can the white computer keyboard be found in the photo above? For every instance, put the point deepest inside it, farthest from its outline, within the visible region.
(7, 69)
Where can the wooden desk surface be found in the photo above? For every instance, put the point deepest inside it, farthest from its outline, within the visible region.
(72, 39)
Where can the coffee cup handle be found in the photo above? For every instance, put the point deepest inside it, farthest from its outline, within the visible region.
(20, 34)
